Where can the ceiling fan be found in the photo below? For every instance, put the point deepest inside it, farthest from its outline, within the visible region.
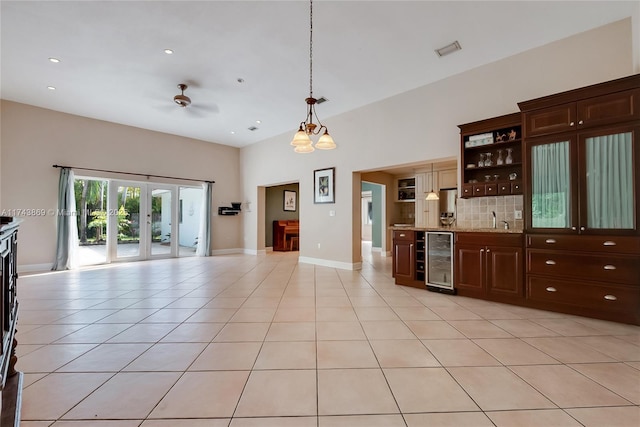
(182, 99)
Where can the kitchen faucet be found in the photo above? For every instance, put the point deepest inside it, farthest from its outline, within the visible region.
(494, 219)
(506, 225)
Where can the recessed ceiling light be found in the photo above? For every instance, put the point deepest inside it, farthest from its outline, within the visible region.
(258, 121)
(233, 132)
(168, 51)
(240, 80)
(51, 87)
(450, 48)
(54, 60)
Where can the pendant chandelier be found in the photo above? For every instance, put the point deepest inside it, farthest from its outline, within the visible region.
(432, 195)
(301, 140)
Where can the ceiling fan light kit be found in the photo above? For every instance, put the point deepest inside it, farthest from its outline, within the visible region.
(182, 100)
(301, 140)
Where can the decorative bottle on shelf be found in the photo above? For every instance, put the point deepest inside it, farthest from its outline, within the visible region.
(499, 160)
(509, 158)
(488, 162)
(481, 161)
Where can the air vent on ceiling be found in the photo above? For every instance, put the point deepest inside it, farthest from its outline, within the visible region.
(448, 49)
(321, 100)
(252, 128)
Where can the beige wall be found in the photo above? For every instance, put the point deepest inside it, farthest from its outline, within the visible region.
(419, 126)
(34, 139)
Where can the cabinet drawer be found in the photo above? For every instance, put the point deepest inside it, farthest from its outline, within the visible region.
(404, 236)
(482, 240)
(479, 190)
(590, 295)
(516, 187)
(467, 190)
(602, 244)
(605, 268)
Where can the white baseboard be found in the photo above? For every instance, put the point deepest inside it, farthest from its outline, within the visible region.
(330, 263)
(34, 268)
(230, 251)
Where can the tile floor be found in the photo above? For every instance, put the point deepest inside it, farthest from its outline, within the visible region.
(264, 341)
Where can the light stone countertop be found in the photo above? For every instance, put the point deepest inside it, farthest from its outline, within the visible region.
(457, 229)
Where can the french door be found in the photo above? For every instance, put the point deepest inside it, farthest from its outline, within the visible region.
(141, 221)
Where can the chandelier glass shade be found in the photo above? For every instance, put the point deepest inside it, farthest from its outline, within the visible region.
(302, 139)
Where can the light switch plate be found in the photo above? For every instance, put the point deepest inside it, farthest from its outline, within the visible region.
(517, 214)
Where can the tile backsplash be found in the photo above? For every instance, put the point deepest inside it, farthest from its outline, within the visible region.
(476, 212)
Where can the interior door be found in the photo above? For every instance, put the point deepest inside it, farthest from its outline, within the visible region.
(160, 215)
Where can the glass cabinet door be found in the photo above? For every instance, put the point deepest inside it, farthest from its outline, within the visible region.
(608, 180)
(552, 207)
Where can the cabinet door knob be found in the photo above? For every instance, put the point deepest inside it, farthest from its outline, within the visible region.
(488, 250)
(481, 250)
(609, 243)
(402, 235)
(550, 241)
(550, 262)
(573, 228)
(551, 289)
(571, 124)
(582, 228)
(610, 297)
(609, 267)
(580, 122)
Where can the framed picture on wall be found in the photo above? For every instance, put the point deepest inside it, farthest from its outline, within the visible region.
(290, 200)
(324, 186)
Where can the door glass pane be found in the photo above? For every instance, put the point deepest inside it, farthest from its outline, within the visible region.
(550, 186)
(189, 207)
(161, 222)
(609, 174)
(128, 220)
(91, 206)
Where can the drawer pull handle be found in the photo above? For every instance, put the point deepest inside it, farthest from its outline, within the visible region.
(402, 235)
(610, 297)
(551, 289)
(609, 243)
(609, 267)
(550, 262)
(550, 241)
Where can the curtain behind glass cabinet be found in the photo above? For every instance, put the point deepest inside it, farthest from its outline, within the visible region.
(610, 189)
(550, 186)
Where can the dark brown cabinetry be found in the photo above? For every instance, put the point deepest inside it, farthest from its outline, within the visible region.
(490, 266)
(408, 266)
(581, 155)
(491, 156)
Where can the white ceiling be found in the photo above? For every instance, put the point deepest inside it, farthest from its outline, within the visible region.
(113, 66)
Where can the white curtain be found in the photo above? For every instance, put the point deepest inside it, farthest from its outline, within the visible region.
(204, 234)
(67, 241)
(550, 186)
(610, 181)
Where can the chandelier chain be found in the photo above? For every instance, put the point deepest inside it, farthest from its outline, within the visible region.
(310, 48)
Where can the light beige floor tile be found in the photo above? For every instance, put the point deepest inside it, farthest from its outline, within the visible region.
(455, 313)
(98, 423)
(495, 313)
(287, 355)
(569, 327)
(402, 301)
(354, 391)
(261, 302)
(106, 358)
(608, 327)
(330, 331)
(387, 330)
(415, 313)
(189, 302)
(427, 390)
(335, 314)
(621, 350)
(253, 315)
(194, 332)
(367, 301)
(220, 302)
(275, 422)
(227, 356)
(362, 421)
(86, 316)
(459, 353)
(170, 315)
(544, 417)
(433, 329)
(153, 302)
(633, 339)
(497, 388)
(236, 332)
(36, 423)
(560, 384)
(94, 334)
(452, 419)
(617, 377)
(634, 364)
(48, 333)
(130, 395)
(51, 357)
(345, 354)
(129, 315)
(524, 328)
(297, 302)
(294, 314)
(513, 351)
(210, 422)
(568, 350)
(167, 357)
(202, 395)
(292, 331)
(333, 301)
(144, 332)
(375, 313)
(52, 396)
(611, 417)
(212, 315)
(279, 393)
(28, 379)
(479, 329)
(403, 354)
